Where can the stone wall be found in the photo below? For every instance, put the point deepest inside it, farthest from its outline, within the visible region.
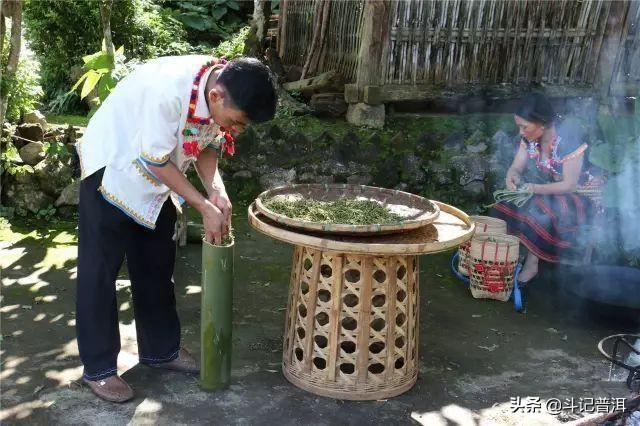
(44, 175)
(456, 160)
(462, 167)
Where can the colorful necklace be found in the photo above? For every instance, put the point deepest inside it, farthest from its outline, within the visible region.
(535, 153)
(201, 129)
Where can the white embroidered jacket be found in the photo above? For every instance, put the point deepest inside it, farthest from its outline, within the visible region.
(141, 123)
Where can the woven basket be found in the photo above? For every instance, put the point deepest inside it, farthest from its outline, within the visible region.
(492, 265)
(484, 225)
(351, 329)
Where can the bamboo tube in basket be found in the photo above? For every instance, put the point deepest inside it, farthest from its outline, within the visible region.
(216, 316)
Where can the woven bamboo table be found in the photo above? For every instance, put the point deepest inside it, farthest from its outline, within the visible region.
(351, 328)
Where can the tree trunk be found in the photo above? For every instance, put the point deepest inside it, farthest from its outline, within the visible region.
(254, 45)
(14, 52)
(3, 31)
(105, 17)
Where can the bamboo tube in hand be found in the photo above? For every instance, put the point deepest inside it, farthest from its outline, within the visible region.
(216, 315)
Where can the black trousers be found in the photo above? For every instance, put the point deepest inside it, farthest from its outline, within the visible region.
(106, 235)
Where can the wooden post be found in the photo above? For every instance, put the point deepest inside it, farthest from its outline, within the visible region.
(282, 28)
(374, 34)
(615, 32)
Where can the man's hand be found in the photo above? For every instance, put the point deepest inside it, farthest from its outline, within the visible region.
(214, 223)
(220, 199)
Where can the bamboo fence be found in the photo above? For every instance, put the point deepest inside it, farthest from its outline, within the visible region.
(456, 42)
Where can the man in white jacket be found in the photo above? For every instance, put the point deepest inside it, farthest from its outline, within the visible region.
(166, 115)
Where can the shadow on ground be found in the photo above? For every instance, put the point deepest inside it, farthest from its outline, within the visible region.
(473, 354)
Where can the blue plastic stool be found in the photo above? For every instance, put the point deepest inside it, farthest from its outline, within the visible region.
(516, 294)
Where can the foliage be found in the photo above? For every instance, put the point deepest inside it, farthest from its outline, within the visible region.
(47, 214)
(233, 47)
(23, 90)
(66, 101)
(10, 161)
(210, 19)
(61, 32)
(56, 149)
(102, 73)
(619, 157)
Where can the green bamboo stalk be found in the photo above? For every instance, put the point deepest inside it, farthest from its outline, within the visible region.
(216, 315)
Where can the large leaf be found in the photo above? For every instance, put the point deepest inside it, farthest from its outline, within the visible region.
(105, 86)
(192, 7)
(196, 21)
(218, 12)
(608, 156)
(89, 83)
(232, 4)
(97, 61)
(80, 80)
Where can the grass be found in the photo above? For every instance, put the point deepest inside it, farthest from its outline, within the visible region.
(74, 120)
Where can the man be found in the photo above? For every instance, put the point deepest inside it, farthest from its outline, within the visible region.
(166, 115)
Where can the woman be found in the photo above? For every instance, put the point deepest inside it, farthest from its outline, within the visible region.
(552, 155)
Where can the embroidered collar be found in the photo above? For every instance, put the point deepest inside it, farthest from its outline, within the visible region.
(200, 129)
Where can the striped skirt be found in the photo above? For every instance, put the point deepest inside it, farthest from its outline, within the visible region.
(548, 225)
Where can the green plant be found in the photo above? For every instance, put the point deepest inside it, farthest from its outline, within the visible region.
(220, 18)
(61, 32)
(100, 75)
(66, 101)
(48, 213)
(233, 47)
(23, 90)
(56, 149)
(619, 157)
(10, 160)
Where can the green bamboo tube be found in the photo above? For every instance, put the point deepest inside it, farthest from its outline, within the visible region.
(216, 316)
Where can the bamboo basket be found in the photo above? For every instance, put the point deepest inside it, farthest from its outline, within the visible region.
(492, 264)
(484, 225)
(351, 329)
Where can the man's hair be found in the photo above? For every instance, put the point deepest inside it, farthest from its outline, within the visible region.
(251, 87)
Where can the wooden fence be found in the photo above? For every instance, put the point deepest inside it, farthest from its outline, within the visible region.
(448, 43)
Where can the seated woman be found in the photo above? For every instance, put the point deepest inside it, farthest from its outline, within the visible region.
(552, 155)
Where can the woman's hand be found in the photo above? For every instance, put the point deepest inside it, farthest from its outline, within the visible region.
(512, 181)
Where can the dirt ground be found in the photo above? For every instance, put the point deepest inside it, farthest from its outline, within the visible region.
(474, 355)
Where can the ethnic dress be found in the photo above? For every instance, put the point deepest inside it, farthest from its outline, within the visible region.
(549, 225)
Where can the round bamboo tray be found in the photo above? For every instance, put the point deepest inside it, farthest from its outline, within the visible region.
(415, 210)
(452, 228)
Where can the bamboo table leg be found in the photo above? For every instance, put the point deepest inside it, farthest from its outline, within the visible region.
(351, 328)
